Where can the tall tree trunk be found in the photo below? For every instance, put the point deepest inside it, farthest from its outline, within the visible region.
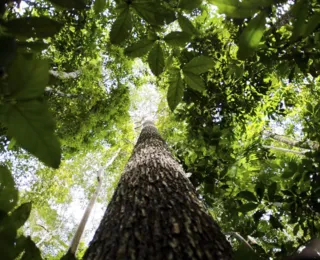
(155, 212)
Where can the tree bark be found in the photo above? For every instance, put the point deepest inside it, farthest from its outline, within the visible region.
(155, 212)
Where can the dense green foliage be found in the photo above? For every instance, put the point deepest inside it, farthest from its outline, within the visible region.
(239, 89)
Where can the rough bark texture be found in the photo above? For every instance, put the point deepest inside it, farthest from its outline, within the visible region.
(155, 212)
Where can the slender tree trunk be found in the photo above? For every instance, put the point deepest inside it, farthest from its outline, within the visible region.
(76, 239)
(155, 212)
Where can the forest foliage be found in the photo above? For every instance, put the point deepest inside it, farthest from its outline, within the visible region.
(239, 89)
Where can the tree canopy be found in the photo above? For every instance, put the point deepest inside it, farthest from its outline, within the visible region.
(233, 87)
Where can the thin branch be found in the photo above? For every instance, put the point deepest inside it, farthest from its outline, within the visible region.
(240, 238)
(285, 150)
(59, 93)
(291, 142)
(65, 75)
(76, 239)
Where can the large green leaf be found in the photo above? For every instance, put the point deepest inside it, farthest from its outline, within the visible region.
(8, 192)
(194, 81)
(151, 12)
(247, 195)
(186, 25)
(99, 6)
(31, 251)
(300, 13)
(8, 48)
(251, 36)
(248, 207)
(156, 60)
(312, 24)
(140, 48)
(234, 8)
(189, 5)
(259, 189)
(275, 222)
(199, 65)
(36, 46)
(175, 91)
(272, 189)
(30, 123)
(32, 80)
(70, 4)
(288, 173)
(20, 215)
(121, 28)
(245, 252)
(40, 27)
(177, 38)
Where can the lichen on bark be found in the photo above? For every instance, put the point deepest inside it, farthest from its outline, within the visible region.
(155, 212)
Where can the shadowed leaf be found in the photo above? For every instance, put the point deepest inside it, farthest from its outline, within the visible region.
(156, 59)
(41, 27)
(251, 36)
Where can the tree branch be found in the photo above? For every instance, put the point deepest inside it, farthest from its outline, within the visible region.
(285, 150)
(291, 142)
(240, 238)
(59, 93)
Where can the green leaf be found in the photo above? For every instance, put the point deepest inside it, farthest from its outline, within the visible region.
(156, 59)
(12, 144)
(259, 189)
(257, 215)
(245, 252)
(70, 4)
(288, 173)
(151, 12)
(272, 190)
(189, 5)
(20, 215)
(312, 24)
(8, 48)
(8, 192)
(121, 28)
(140, 48)
(287, 193)
(235, 71)
(199, 65)
(99, 6)
(234, 8)
(300, 13)
(32, 252)
(247, 195)
(36, 46)
(248, 207)
(41, 27)
(32, 80)
(175, 91)
(186, 25)
(32, 126)
(275, 222)
(293, 166)
(194, 81)
(177, 38)
(296, 229)
(251, 36)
